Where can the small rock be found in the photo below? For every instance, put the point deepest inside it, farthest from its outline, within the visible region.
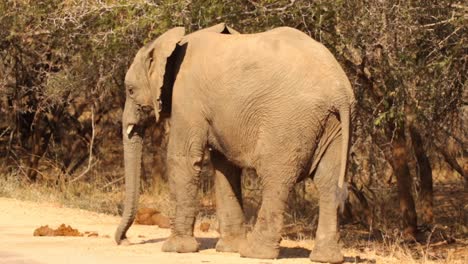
(149, 216)
(204, 227)
(161, 220)
(91, 234)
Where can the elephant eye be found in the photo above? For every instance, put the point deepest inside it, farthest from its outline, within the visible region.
(130, 90)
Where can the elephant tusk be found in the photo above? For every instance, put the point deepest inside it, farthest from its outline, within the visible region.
(129, 129)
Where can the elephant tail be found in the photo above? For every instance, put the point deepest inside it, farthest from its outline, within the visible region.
(345, 116)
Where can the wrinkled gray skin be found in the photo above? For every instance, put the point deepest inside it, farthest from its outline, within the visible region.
(276, 102)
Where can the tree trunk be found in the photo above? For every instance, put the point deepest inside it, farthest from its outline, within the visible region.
(39, 142)
(399, 162)
(425, 176)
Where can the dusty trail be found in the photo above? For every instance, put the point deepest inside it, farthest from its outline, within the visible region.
(18, 219)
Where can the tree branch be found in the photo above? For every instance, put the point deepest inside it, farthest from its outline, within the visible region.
(91, 143)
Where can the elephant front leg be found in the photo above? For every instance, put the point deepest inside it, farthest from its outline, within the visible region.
(228, 204)
(183, 174)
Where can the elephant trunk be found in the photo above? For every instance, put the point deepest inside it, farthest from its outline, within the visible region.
(133, 145)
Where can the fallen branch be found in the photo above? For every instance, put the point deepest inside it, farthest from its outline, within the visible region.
(112, 182)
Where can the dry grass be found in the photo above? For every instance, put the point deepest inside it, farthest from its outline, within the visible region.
(84, 195)
(77, 195)
(89, 195)
(392, 248)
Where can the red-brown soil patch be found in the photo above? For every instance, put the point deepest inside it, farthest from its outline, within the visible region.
(150, 216)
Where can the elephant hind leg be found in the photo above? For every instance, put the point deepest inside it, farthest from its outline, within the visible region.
(326, 247)
(263, 242)
(228, 203)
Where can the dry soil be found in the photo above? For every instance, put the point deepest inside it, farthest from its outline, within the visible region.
(19, 219)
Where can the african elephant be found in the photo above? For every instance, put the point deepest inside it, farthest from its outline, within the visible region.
(275, 102)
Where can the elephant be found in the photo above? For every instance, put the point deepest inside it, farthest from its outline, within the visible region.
(275, 102)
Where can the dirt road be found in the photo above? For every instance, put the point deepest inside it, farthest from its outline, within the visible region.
(19, 219)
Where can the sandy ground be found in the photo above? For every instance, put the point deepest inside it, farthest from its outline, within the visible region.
(19, 219)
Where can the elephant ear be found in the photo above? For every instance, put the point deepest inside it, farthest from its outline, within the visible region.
(220, 28)
(231, 30)
(158, 53)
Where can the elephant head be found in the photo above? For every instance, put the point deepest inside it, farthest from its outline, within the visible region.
(144, 81)
(148, 82)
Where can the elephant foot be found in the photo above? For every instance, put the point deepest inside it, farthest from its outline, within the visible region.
(327, 252)
(229, 244)
(180, 244)
(125, 242)
(251, 248)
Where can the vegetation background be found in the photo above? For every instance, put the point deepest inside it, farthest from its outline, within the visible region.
(62, 66)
